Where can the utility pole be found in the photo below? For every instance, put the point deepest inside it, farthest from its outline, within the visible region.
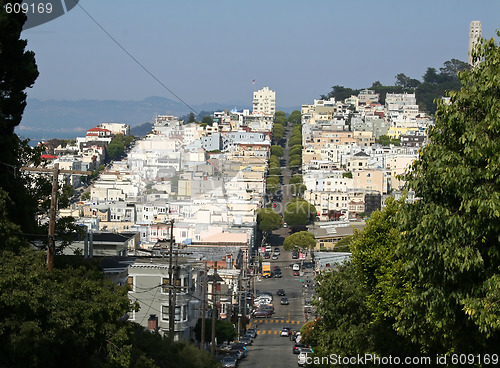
(204, 306)
(214, 309)
(51, 250)
(171, 291)
(53, 205)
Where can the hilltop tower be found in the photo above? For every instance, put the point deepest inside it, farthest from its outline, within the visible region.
(475, 33)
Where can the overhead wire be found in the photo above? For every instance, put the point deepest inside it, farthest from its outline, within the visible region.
(134, 58)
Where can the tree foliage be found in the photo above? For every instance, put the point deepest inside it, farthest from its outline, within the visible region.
(268, 220)
(68, 315)
(385, 140)
(224, 330)
(278, 132)
(295, 117)
(424, 276)
(299, 240)
(299, 212)
(452, 232)
(277, 150)
(18, 71)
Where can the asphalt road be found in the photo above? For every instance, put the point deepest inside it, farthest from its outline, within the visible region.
(269, 349)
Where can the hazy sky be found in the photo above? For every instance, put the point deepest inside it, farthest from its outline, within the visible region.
(211, 51)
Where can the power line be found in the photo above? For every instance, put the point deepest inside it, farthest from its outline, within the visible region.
(134, 59)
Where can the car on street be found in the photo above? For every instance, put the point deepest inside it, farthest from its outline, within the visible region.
(297, 348)
(277, 274)
(239, 346)
(252, 332)
(260, 313)
(295, 254)
(285, 333)
(296, 273)
(229, 361)
(267, 255)
(237, 353)
(246, 340)
(281, 292)
(284, 301)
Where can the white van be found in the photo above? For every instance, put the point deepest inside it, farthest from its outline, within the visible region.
(296, 267)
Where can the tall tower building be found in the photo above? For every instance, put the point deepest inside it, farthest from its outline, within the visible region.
(264, 100)
(475, 33)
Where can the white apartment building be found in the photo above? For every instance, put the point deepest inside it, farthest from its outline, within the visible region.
(264, 100)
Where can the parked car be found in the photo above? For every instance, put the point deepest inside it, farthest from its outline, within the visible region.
(296, 273)
(267, 255)
(284, 301)
(224, 347)
(281, 292)
(240, 347)
(246, 340)
(252, 332)
(278, 274)
(275, 256)
(276, 250)
(262, 313)
(229, 361)
(237, 353)
(297, 348)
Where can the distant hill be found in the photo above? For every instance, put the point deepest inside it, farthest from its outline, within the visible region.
(141, 130)
(69, 119)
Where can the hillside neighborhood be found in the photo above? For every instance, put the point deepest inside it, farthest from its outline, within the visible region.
(197, 188)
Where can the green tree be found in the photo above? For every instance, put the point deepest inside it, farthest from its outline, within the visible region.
(295, 117)
(280, 113)
(280, 120)
(296, 179)
(272, 184)
(299, 240)
(450, 235)
(299, 212)
(65, 317)
(18, 71)
(277, 150)
(207, 121)
(385, 140)
(344, 325)
(191, 118)
(224, 330)
(340, 93)
(274, 161)
(268, 220)
(295, 150)
(278, 132)
(295, 140)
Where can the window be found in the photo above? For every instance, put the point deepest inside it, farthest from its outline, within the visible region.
(165, 282)
(164, 312)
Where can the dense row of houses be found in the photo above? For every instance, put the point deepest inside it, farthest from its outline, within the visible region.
(197, 188)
